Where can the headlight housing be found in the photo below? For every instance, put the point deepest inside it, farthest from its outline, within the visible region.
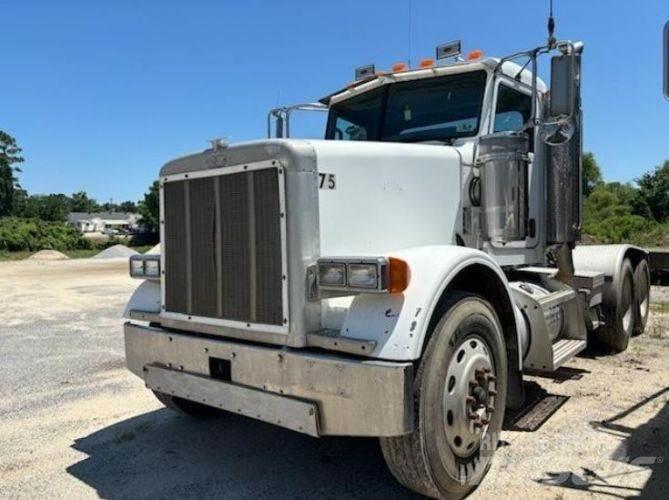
(145, 266)
(364, 274)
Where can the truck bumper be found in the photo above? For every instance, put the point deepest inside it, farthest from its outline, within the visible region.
(314, 393)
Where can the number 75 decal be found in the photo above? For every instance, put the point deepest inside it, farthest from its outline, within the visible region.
(327, 181)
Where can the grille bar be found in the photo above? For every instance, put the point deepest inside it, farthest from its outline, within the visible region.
(222, 244)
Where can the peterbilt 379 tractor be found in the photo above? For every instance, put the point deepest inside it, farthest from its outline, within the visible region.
(395, 279)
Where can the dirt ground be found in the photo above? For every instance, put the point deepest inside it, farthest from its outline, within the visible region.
(74, 423)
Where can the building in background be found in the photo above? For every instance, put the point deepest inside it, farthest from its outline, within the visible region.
(106, 222)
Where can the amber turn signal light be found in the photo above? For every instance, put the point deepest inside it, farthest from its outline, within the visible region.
(399, 275)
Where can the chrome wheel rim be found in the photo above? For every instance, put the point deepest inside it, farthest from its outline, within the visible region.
(469, 396)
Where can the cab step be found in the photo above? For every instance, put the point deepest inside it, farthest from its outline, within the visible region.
(565, 349)
(555, 322)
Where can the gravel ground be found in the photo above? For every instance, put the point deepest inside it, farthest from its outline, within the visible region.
(74, 423)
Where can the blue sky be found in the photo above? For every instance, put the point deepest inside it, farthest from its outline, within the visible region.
(101, 94)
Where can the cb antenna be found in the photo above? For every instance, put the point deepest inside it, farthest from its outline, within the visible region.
(551, 26)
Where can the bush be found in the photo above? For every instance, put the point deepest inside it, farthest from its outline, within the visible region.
(17, 234)
(621, 229)
(615, 213)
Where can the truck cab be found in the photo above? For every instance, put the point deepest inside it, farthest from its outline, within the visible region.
(395, 279)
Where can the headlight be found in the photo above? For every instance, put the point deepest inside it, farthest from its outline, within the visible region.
(363, 275)
(136, 268)
(145, 266)
(152, 268)
(331, 274)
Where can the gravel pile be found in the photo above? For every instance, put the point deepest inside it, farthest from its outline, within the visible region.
(154, 251)
(48, 255)
(116, 252)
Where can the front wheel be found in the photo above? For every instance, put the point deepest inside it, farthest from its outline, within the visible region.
(460, 395)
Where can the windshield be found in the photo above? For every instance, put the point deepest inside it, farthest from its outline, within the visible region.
(436, 109)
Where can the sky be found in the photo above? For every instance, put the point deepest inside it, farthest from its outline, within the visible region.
(100, 94)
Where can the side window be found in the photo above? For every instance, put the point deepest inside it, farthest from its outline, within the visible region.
(513, 109)
(345, 130)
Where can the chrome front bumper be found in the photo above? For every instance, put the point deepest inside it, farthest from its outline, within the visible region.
(317, 394)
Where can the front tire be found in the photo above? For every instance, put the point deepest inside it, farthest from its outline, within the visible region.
(460, 396)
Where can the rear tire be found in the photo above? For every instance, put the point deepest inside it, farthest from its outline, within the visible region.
(460, 396)
(641, 296)
(619, 318)
(186, 407)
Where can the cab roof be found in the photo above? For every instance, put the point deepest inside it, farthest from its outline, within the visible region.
(509, 68)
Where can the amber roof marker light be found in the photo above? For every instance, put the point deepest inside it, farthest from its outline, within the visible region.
(399, 67)
(426, 63)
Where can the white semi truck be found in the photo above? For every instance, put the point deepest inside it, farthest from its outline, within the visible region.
(396, 279)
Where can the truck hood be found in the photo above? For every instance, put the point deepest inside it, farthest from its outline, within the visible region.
(375, 198)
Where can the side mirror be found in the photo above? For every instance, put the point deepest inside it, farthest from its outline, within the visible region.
(563, 86)
(666, 60)
(565, 97)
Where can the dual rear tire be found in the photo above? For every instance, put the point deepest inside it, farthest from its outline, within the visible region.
(626, 311)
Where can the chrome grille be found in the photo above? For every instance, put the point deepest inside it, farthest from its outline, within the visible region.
(222, 247)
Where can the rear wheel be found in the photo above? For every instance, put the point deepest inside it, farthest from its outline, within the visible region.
(460, 395)
(619, 318)
(641, 295)
(186, 407)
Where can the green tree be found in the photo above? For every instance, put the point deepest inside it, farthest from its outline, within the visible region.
(149, 208)
(80, 202)
(654, 191)
(592, 175)
(10, 157)
(128, 206)
(49, 207)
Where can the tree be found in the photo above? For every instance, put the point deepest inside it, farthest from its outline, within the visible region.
(50, 207)
(82, 203)
(128, 206)
(149, 208)
(654, 191)
(10, 157)
(592, 175)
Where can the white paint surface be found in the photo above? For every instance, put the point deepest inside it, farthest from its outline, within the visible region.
(388, 196)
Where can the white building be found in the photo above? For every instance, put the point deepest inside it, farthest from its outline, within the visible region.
(105, 222)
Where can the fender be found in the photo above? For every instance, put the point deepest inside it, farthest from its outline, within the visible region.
(607, 259)
(146, 297)
(400, 323)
